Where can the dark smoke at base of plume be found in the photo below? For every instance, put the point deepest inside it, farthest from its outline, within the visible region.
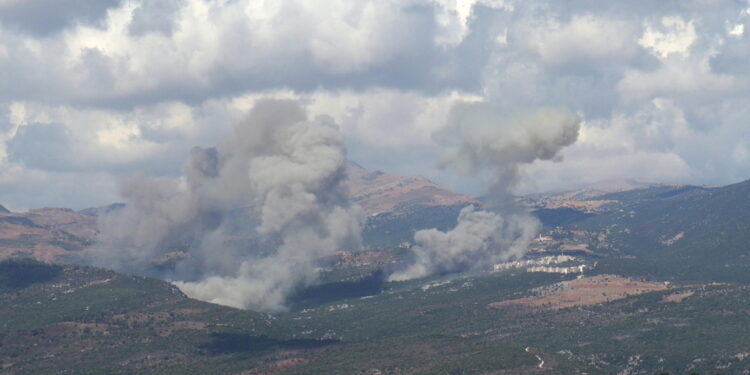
(479, 138)
(275, 183)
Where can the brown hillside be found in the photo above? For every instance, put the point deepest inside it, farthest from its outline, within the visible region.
(45, 234)
(378, 192)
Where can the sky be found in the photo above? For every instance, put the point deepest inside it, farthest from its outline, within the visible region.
(96, 91)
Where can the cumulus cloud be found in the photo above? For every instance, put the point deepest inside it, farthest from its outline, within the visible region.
(670, 36)
(274, 183)
(133, 85)
(42, 17)
(154, 17)
(192, 50)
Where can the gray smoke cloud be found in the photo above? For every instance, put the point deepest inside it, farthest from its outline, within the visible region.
(250, 218)
(480, 138)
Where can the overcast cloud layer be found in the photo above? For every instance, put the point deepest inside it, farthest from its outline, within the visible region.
(93, 91)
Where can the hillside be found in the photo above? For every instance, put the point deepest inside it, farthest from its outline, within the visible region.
(588, 199)
(693, 233)
(653, 281)
(378, 192)
(56, 234)
(47, 234)
(82, 320)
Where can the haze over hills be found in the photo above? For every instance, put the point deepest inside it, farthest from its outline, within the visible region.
(50, 234)
(404, 203)
(658, 274)
(628, 295)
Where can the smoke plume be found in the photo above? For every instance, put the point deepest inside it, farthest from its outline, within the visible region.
(479, 138)
(247, 222)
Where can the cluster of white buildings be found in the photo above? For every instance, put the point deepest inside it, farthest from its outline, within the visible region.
(563, 270)
(543, 261)
(544, 264)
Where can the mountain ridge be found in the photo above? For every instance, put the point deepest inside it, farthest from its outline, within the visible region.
(379, 192)
(652, 287)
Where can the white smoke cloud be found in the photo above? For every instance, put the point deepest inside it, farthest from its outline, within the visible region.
(479, 137)
(479, 238)
(284, 169)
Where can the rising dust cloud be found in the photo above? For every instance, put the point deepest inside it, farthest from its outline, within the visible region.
(479, 138)
(280, 173)
(276, 181)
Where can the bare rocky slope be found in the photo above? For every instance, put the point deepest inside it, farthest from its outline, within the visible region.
(379, 192)
(47, 234)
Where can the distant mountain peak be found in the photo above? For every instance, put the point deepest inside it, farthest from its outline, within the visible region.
(378, 192)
